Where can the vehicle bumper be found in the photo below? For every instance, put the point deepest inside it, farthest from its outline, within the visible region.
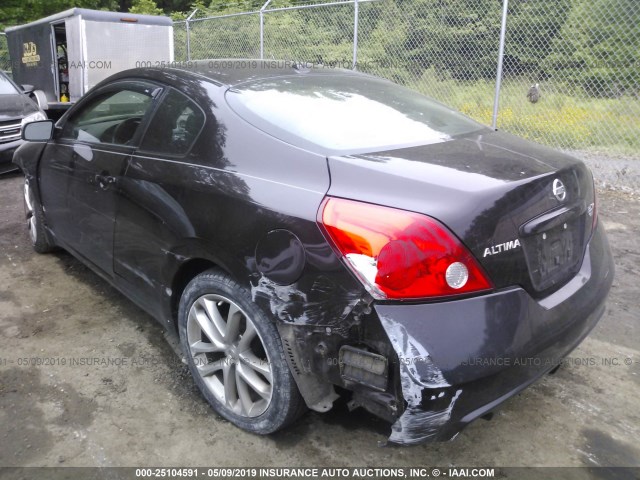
(6, 155)
(459, 360)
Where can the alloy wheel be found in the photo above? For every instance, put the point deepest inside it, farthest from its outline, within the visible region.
(229, 355)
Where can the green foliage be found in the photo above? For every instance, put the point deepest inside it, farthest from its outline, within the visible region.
(147, 7)
(18, 12)
(560, 119)
(584, 53)
(5, 62)
(200, 5)
(598, 47)
(173, 6)
(532, 27)
(460, 38)
(178, 16)
(454, 36)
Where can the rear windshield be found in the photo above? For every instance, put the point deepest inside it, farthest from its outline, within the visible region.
(346, 113)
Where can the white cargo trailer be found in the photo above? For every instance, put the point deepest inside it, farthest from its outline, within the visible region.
(62, 56)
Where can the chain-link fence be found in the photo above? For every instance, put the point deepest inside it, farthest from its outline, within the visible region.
(5, 63)
(570, 68)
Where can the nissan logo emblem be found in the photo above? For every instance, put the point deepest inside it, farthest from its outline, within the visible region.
(558, 189)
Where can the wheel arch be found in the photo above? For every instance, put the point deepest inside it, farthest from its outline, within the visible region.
(186, 272)
(27, 159)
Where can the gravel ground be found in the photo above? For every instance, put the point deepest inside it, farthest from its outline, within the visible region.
(147, 411)
(613, 172)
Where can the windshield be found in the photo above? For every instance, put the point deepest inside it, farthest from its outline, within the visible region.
(6, 87)
(346, 113)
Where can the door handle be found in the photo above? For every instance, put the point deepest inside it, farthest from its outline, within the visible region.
(104, 181)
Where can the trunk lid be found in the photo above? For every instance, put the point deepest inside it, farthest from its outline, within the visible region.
(524, 210)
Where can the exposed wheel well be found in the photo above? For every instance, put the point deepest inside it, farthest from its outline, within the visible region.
(187, 271)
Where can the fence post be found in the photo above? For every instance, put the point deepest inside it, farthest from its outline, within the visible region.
(189, 34)
(266, 4)
(261, 35)
(503, 32)
(355, 34)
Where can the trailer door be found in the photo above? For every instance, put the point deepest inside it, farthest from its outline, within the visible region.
(75, 56)
(32, 60)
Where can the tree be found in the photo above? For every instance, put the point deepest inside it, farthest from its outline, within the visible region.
(147, 7)
(597, 49)
(532, 26)
(456, 37)
(18, 12)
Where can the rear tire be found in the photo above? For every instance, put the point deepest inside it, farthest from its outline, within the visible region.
(235, 355)
(35, 221)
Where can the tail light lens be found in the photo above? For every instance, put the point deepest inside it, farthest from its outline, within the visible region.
(399, 254)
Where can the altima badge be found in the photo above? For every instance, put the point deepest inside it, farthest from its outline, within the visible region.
(558, 190)
(501, 247)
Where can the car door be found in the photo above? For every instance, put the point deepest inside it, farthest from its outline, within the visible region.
(92, 147)
(150, 219)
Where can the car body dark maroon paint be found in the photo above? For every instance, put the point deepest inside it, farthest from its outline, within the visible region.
(247, 202)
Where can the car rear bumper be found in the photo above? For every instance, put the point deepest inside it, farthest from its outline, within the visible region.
(459, 360)
(6, 155)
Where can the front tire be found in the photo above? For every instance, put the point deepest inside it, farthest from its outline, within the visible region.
(35, 221)
(235, 355)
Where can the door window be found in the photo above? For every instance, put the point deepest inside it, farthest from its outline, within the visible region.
(111, 117)
(175, 126)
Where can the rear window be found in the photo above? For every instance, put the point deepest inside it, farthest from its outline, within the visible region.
(346, 113)
(175, 126)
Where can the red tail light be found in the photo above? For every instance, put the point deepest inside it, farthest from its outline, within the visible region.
(399, 254)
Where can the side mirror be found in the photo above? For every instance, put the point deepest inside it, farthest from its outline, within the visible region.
(27, 88)
(38, 131)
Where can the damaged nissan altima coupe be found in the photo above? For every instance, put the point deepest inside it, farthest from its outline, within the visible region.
(316, 233)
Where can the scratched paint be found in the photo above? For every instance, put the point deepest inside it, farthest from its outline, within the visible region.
(326, 303)
(416, 424)
(410, 352)
(286, 302)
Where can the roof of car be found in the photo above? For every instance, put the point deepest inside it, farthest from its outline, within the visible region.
(232, 72)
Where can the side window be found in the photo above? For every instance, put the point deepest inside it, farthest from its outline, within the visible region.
(112, 117)
(174, 127)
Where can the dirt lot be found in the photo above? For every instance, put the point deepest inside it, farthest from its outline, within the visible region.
(147, 411)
